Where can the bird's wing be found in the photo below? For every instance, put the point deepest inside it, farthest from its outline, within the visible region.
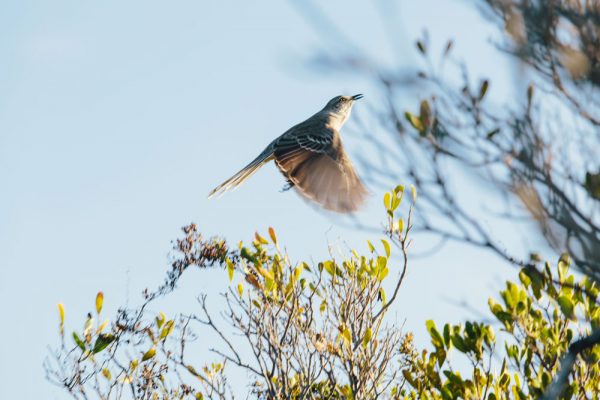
(306, 136)
(316, 163)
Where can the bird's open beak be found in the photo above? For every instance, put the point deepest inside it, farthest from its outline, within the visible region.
(357, 97)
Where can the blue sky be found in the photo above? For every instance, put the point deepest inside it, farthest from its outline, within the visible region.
(117, 118)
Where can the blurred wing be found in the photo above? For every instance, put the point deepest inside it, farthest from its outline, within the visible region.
(320, 170)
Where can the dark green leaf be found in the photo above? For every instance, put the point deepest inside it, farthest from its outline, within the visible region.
(483, 89)
(102, 342)
(78, 341)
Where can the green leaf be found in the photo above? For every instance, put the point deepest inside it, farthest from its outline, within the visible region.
(447, 340)
(102, 342)
(436, 338)
(458, 342)
(483, 89)
(78, 341)
(566, 306)
(524, 278)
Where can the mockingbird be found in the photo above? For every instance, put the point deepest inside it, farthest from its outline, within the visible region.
(312, 158)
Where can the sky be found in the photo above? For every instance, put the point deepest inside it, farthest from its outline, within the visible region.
(117, 118)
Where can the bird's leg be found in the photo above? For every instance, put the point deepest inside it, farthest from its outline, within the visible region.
(288, 185)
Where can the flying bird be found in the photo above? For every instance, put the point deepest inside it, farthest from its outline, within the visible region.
(312, 158)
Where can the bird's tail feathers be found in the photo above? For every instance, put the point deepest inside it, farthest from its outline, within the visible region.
(242, 175)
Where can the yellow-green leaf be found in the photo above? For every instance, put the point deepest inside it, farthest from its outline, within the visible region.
(367, 337)
(371, 247)
(382, 295)
(160, 319)
(106, 373)
(347, 335)
(230, 269)
(400, 225)
(297, 272)
(329, 267)
(387, 200)
(240, 289)
(414, 121)
(413, 190)
(268, 275)
(167, 329)
(383, 273)
(323, 306)
(133, 364)
(149, 354)
(260, 239)
(386, 246)
(61, 316)
(99, 302)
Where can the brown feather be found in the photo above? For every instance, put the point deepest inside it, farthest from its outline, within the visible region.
(332, 183)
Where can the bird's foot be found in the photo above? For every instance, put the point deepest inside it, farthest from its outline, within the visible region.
(287, 186)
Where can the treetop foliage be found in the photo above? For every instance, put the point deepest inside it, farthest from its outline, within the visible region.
(302, 330)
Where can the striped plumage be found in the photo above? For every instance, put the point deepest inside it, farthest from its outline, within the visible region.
(312, 158)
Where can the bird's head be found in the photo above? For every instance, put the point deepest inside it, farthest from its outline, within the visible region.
(340, 106)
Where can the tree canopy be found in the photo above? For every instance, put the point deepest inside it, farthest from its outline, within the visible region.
(319, 330)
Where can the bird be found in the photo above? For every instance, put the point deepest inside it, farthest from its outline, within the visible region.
(311, 157)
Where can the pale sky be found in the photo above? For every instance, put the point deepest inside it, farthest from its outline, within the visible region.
(117, 118)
